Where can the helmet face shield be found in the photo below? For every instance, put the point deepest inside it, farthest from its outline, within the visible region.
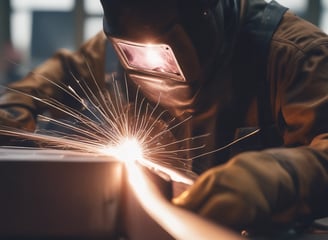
(154, 59)
(160, 54)
(161, 67)
(188, 47)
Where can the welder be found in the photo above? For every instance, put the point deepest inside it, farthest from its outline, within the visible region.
(242, 69)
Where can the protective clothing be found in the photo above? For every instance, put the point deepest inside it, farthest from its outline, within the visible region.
(255, 184)
(265, 191)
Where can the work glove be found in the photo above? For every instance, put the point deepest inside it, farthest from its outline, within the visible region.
(15, 118)
(260, 191)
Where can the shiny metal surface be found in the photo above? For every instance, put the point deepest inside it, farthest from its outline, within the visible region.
(48, 193)
(55, 194)
(68, 195)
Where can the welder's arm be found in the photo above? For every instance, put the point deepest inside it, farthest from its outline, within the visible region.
(18, 109)
(19, 104)
(282, 185)
(261, 189)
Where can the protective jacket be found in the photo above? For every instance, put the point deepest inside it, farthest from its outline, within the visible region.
(287, 171)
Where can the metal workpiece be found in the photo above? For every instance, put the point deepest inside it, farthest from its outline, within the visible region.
(47, 193)
(61, 194)
(57, 194)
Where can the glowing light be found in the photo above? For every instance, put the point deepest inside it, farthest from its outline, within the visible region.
(152, 58)
(110, 124)
(127, 150)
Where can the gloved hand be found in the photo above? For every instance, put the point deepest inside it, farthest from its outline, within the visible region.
(258, 190)
(16, 118)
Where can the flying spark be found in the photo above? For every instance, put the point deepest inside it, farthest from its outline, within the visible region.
(109, 123)
(127, 150)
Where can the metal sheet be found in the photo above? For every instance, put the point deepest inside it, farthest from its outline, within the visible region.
(50, 193)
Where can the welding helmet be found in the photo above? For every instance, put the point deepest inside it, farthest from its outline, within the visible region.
(169, 48)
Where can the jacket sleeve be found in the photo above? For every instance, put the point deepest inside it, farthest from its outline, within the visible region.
(278, 186)
(63, 69)
(261, 191)
(302, 111)
(299, 77)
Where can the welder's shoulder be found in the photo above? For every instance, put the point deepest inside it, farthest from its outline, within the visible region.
(93, 48)
(89, 56)
(95, 44)
(298, 35)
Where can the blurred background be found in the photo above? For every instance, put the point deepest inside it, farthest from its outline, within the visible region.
(31, 30)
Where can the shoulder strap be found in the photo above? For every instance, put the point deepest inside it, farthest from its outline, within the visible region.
(271, 18)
